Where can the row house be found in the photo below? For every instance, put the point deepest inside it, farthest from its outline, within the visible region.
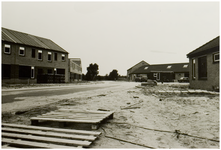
(163, 72)
(204, 66)
(31, 59)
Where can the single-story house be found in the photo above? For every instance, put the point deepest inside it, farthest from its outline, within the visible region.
(163, 72)
(204, 66)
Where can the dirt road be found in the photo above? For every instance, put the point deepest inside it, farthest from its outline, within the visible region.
(154, 120)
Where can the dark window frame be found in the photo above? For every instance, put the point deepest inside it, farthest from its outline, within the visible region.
(22, 49)
(55, 56)
(202, 68)
(24, 72)
(60, 71)
(40, 55)
(49, 56)
(6, 71)
(63, 57)
(32, 72)
(50, 71)
(33, 53)
(8, 47)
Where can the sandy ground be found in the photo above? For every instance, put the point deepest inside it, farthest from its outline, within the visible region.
(154, 120)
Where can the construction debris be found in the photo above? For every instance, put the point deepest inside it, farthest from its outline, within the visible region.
(130, 106)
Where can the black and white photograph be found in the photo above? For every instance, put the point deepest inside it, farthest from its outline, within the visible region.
(110, 74)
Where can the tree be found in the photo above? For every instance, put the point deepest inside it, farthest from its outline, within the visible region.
(92, 72)
(113, 75)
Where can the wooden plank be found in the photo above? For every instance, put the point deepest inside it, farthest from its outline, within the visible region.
(67, 120)
(53, 129)
(87, 111)
(191, 91)
(72, 118)
(77, 115)
(67, 112)
(46, 139)
(56, 116)
(177, 92)
(53, 134)
(33, 144)
(8, 147)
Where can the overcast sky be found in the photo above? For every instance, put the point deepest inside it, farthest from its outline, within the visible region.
(118, 35)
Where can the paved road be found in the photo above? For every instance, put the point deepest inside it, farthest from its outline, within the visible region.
(11, 95)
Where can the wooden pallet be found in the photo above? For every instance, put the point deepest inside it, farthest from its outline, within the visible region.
(23, 136)
(74, 116)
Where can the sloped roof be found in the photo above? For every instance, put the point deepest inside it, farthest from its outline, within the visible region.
(76, 60)
(208, 46)
(175, 67)
(138, 64)
(30, 40)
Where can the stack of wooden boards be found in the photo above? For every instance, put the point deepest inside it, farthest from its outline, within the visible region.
(23, 136)
(74, 116)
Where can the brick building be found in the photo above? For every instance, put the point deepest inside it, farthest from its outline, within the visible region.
(204, 66)
(31, 59)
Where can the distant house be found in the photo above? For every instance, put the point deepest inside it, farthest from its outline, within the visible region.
(130, 75)
(75, 69)
(204, 66)
(31, 59)
(163, 72)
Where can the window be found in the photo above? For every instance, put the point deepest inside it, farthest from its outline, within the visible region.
(32, 72)
(50, 71)
(7, 49)
(193, 68)
(168, 67)
(40, 72)
(202, 67)
(33, 53)
(145, 68)
(63, 57)
(49, 56)
(24, 72)
(60, 71)
(55, 56)
(185, 66)
(216, 57)
(6, 71)
(39, 54)
(21, 51)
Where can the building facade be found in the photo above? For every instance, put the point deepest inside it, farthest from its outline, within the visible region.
(204, 66)
(30, 59)
(163, 72)
(75, 69)
(130, 75)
